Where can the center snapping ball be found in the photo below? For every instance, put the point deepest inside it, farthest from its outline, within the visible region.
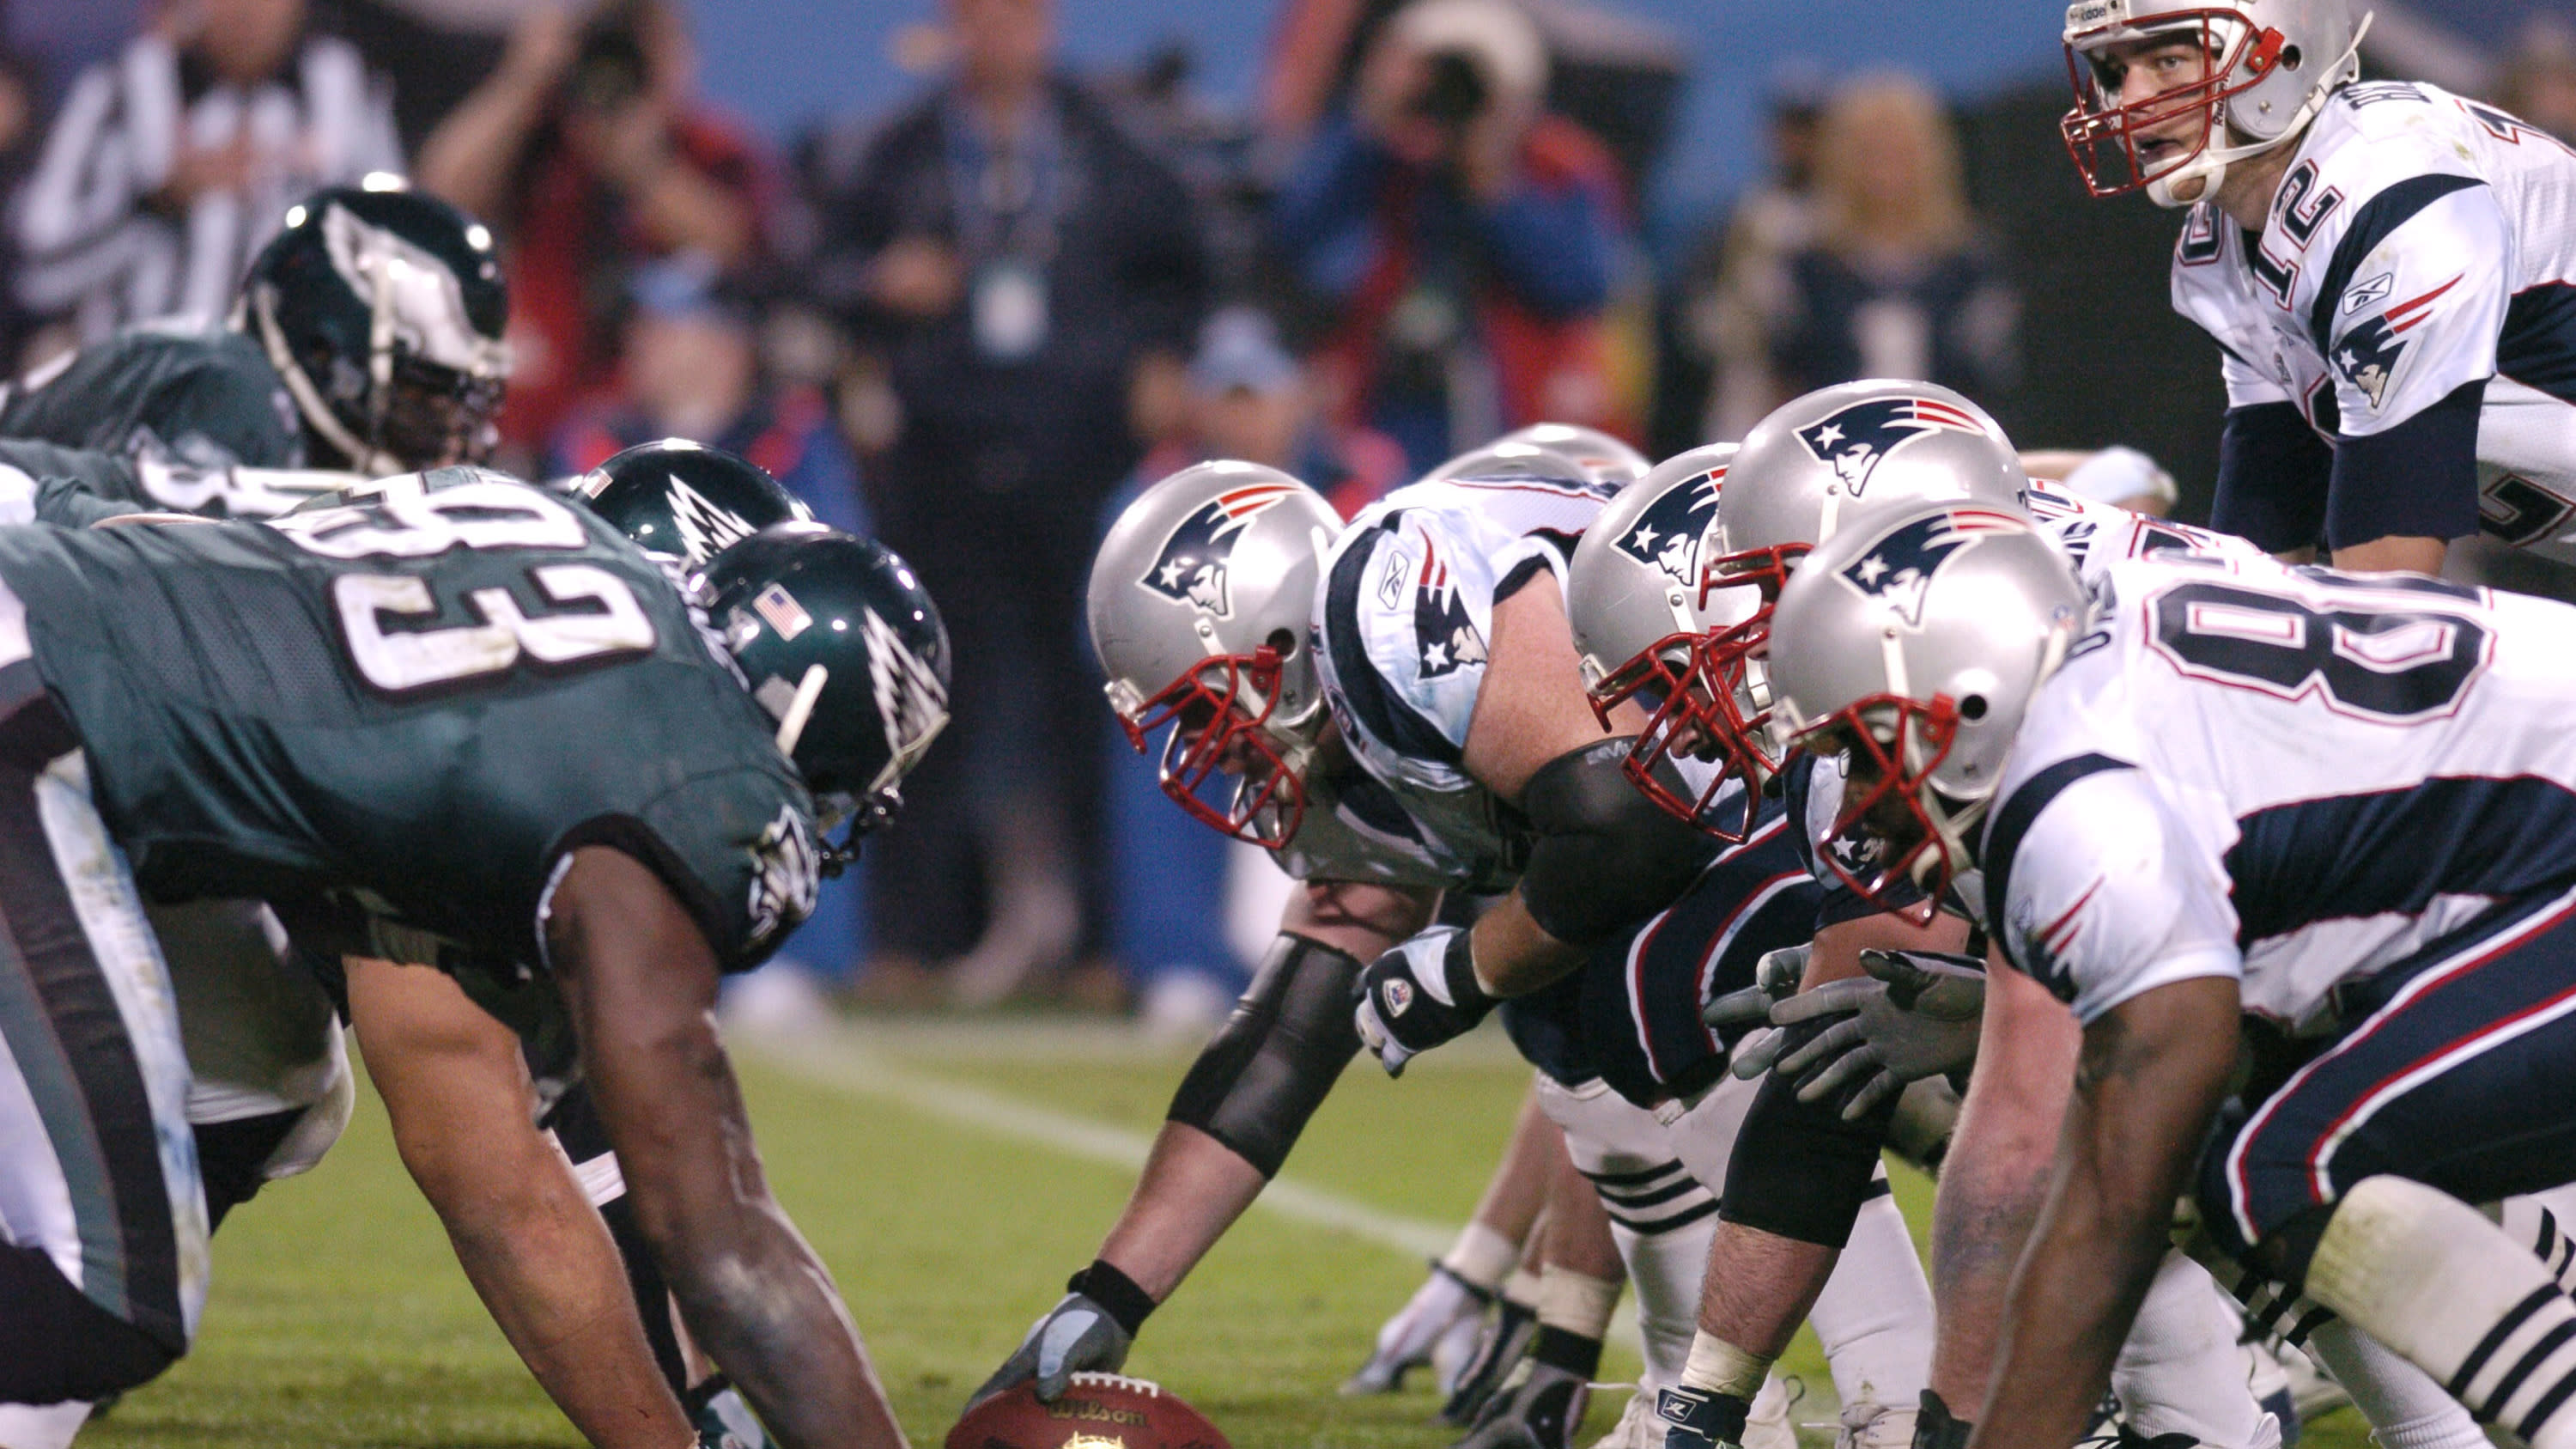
(1099, 1411)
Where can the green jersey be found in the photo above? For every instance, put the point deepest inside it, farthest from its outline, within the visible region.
(418, 704)
(207, 399)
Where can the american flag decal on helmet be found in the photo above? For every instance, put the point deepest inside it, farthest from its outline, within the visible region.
(1191, 567)
(1901, 565)
(1856, 438)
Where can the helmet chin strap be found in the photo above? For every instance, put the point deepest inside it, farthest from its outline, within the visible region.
(2211, 164)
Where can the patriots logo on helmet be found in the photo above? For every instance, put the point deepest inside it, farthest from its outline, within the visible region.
(1899, 568)
(1667, 534)
(1855, 439)
(1191, 569)
(1446, 638)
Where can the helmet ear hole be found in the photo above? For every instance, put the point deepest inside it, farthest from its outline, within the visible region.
(1282, 642)
(2290, 57)
(1973, 707)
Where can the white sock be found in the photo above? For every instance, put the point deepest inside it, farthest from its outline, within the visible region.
(1875, 1315)
(2429, 1276)
(51, 1426)
(1482, 1256)
(2406, 1409)
(1667, 1268)
(2180, 1371)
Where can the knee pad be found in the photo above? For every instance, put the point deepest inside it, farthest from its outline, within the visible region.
(1269, 1067)
(57, 1345)
(1800, 1171)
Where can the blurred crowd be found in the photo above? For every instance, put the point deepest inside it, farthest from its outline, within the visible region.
(973, 322)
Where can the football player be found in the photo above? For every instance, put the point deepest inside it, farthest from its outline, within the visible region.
(367, 340)
(1381, 708)
(2386, 267)
(2213, 795)
(1695, 646)
(319, 768)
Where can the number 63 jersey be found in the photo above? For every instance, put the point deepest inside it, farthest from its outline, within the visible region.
(2290, 776)
(424, 703)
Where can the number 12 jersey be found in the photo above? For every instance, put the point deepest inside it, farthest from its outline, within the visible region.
(2290, 776)
(425, 702)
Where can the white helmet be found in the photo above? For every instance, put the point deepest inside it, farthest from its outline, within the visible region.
(1912, 643)
(2268, 65)
(1642, 622)
(1200, 602)
(1605, 458)
(1838, 454)
(1506, 459)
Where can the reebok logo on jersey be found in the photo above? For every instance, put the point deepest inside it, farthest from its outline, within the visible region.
(1445, 638)
(1901, 566)
(1190, 568)
(2367, 356)
(1855, 439)
(2365, 293)
(912, 705)
(1667, 534)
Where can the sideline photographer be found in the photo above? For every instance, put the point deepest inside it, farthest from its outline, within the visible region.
(1463, 237)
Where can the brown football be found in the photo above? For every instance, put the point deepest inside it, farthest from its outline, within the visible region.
(1099, 1411)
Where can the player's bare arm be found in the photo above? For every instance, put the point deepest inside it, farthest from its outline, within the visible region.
(640, 981)
(455, 1084)
(2152, 1073)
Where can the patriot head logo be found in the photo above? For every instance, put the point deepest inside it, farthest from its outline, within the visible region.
(1445, 637)
(1901, 565)
(2367, 356)
(1856, 438)
(1666, 536)
(1191, 568)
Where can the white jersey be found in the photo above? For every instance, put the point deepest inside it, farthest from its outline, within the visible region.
(2292, 777)
(2420, 242)
(2098, 537)
(1403, 613)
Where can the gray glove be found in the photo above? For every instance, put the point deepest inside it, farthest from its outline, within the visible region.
(1076, 1336)
(1915, 1016)
(1444, 1308)
(1775, 979)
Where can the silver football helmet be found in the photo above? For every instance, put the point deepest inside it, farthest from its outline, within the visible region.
(1838, 453)
(1642, 622)
(1200, 600)
(2265, 68)
(1912, 644)
(1605, 458)
(1512, 460)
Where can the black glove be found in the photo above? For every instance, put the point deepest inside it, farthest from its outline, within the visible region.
(1935, 1429)
(1701, 1418)
(1541, 1411)
(1419, 995)
(1506, 1342)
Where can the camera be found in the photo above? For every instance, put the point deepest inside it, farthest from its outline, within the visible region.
(1457, 92)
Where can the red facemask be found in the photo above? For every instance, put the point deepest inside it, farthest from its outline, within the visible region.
(1213, 714)
(1884, 798)
(2100, 128)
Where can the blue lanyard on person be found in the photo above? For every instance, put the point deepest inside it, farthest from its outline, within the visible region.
(1008, 200)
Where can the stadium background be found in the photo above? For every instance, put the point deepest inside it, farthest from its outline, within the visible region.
(953, 1162)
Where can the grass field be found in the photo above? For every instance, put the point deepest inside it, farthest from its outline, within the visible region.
(951, 1177)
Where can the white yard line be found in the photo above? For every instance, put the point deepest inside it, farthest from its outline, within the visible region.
(838, 1061)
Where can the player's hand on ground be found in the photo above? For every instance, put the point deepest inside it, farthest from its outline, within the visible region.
(1076, 1336)
(1444, 1307)
(1419, 995)
(1540, 1409)
(1775, 979)
(1915, 1015)
(1505, 1343)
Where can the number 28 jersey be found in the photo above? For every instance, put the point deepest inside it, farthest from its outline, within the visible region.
(423, 702)
(2290, 776)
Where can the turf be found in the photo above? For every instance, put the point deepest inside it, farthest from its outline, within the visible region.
(339, 1317)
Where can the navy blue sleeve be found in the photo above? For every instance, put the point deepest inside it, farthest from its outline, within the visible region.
(2273, 476)
(2419, 479)
(1323, 212)
(1551, 247)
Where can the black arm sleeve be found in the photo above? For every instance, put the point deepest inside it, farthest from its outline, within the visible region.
(1606, 857)
(1272, 1063)
(2419, 479)
(2273, 473)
